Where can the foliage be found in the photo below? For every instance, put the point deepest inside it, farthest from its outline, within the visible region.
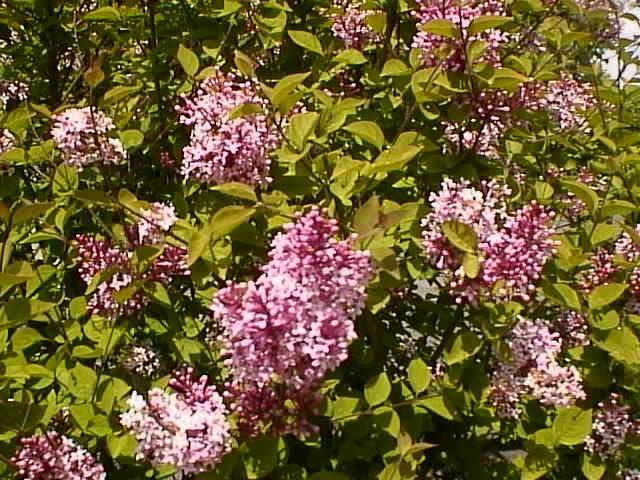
(152, 155)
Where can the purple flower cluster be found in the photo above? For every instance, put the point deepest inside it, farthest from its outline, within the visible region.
(12, 91)
(141, 360)
(7, 141)
(512, 248)
(350, 25)
(55, 457)
(295, 322)
(96, 256)
(82, 134)
(627, 247)
(572, 327)
(534, 370)
(567, 100)
(448, 52)
(600, 271)
(611, 426)
(224, 147)
(187, 428)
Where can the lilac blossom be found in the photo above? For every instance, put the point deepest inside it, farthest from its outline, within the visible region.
(295, 322)
(186, 428)
(599, 272)
(141, 360)
(534, 370)
(7, 141)
(82, 135)
(55, 457)
(350, 24)
(225, 148)
(611, 426)
(440, 50)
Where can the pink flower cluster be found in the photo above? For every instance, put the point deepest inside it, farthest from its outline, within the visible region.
(512, 248)
(350, 25)
(534, 370)
(600, 271)
(7, 141)
(448, 52)
(82, 134)
(187, 429)
(567, 100)
(611, 426)
(572, 327)
(294, 323)
(627, 247)
(141, 360)
(55, 457)
(95, 256)
(12, 91)
(224, 148)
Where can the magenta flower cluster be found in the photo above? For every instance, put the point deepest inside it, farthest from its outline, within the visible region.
(186, 428)
(52, 456)
(7, 141)
(350, 24)
(96, 256)
(611, 426)
(512, 248)
(600, 270)
(438, 50)
(567, 100)
(224, 147)
(295, 322)
(534, 370)
(82, 135)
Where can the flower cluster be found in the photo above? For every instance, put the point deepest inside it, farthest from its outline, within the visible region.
(572, 327)
(534, 370)
(350, 24)
(82, 134)
(627, 247)
(512, 248)
(600, 270)
(450, 53)
(295, 322)
(12, 91)
(97, 256)
(187, 428)
(7, 141)
(227, 146)
(141, 360)
(55, 457)
(611, 425)
(567, 100)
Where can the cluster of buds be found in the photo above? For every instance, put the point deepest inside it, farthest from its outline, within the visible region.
(611, 426)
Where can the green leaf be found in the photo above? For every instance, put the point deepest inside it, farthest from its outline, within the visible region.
(29, 212)
(188, 60)
(603, 295)
(603, 232)
(351, 57)
(486, 22)
(198, 244)
(441, 27)
(395, 68)
(419, 375)
(329, 476)
(121, 445)
(394, 158)
(285, 86)
(460, 235)
(377, 389)
(119, 93)
(437, 405)
(367, 216)
(583, 192)
(106, 14)
(618, 207)
(623, 345)
(225, 220)
(465, 345)
(562, 294)
(237, 190)
(131, 138)
(306, 40)
(93, 76)
(65, 179)
(544, 191)
(261, 456)
(507, 78)
(471, 265)
(244, 63)
(572, 425)
(245, 109)
(301, 127)
(367, 131)
(593, 468)
(158, 293)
